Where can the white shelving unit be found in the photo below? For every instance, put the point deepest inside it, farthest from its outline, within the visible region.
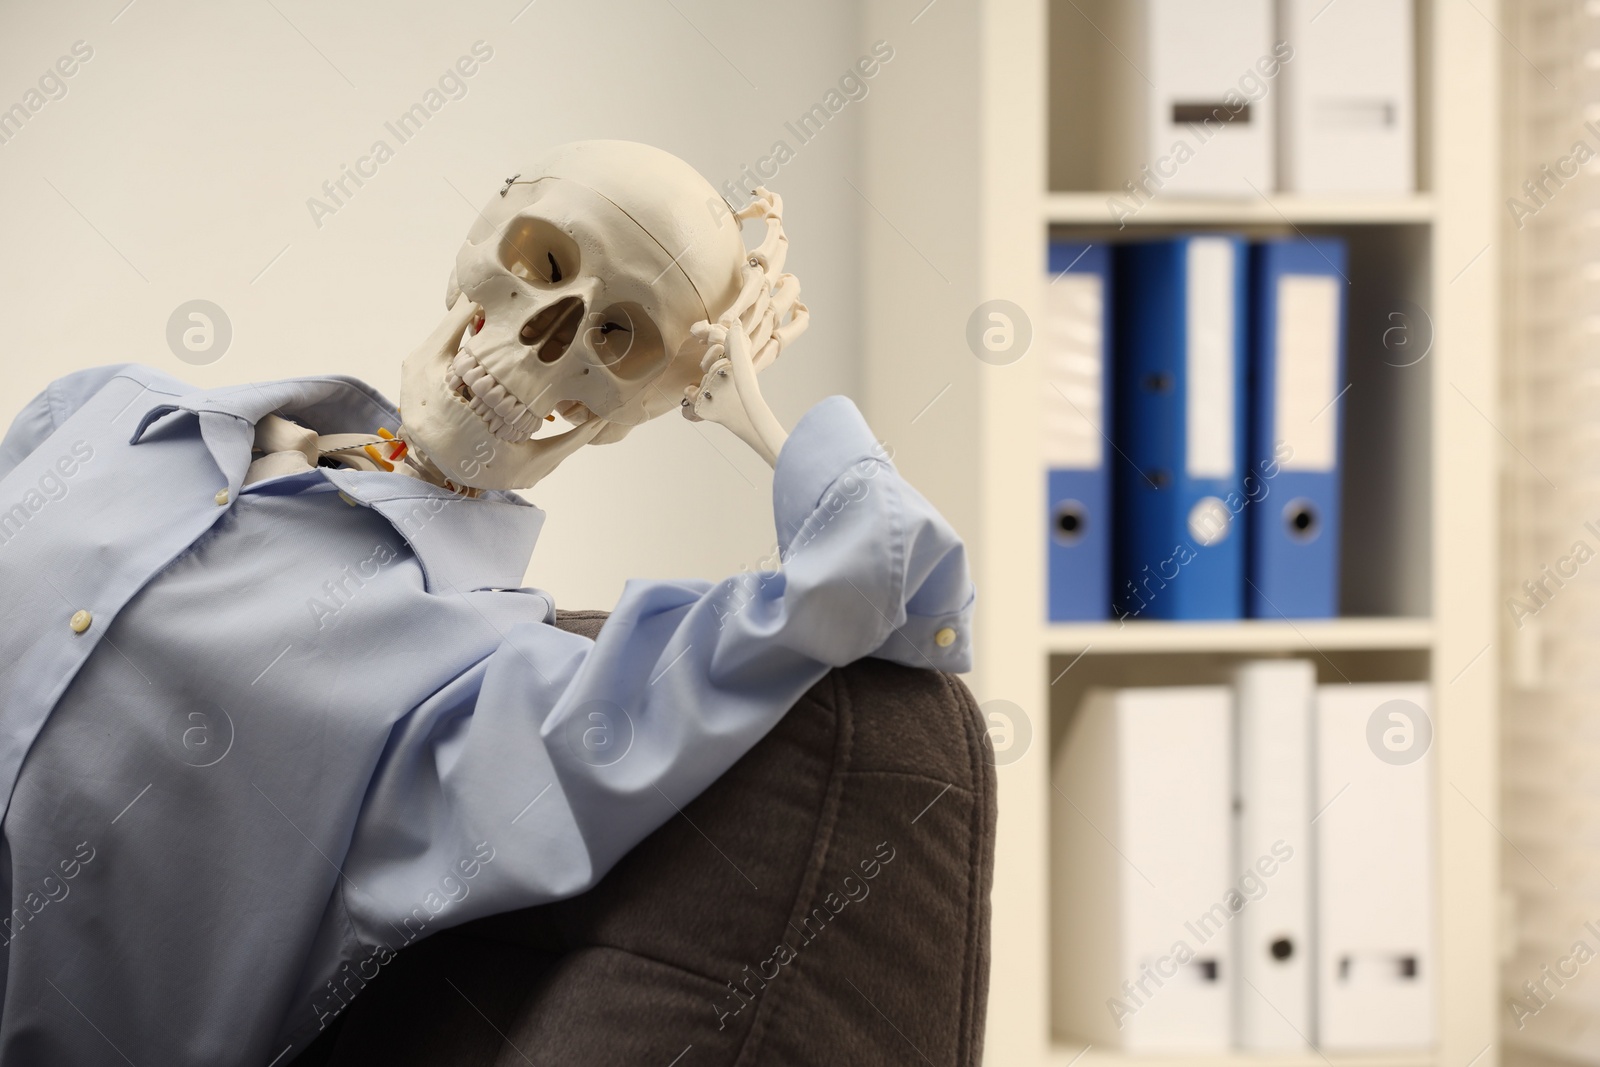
(959, 149)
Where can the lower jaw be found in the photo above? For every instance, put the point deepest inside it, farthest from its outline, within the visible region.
(462, 459)
(521, 426)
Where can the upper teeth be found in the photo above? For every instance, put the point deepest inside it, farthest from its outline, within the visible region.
(509, 419)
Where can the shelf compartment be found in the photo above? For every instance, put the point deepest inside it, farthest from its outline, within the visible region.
(1385, 408)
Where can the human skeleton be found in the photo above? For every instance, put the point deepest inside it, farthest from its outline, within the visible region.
(412, 722)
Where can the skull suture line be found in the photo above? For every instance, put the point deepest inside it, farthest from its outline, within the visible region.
(600, 288)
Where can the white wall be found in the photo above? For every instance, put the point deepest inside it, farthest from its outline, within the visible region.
(189, 145)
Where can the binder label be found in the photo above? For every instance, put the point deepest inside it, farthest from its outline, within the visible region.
(1210, 369)
(1307, 382)
(1074, 376)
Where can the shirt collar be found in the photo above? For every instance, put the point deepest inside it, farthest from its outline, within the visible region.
(461, 542)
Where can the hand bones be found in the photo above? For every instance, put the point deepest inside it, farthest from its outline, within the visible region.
(766, 316)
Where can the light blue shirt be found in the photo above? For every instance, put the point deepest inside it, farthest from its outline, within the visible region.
(309, 720)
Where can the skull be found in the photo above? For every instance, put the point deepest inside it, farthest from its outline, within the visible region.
(574, 295)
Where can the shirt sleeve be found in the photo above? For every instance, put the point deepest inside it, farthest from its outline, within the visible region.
(544, 764)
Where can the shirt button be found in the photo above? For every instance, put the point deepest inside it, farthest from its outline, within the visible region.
(80, 621)
(945, 637)
(221, 498)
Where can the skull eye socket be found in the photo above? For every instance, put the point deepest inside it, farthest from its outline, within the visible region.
(624, 341)
(538, 252)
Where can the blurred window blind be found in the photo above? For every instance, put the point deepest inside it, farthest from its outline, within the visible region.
(1550, 722)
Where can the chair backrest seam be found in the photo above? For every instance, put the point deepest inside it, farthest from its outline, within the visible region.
(822, 840)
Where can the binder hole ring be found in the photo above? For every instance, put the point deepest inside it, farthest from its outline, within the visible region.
(1301, 520)
(1209, 521)
(1282, 948)
(1070, 522)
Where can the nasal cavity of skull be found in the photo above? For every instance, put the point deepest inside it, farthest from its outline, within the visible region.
(551, 332)
(538, 252)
